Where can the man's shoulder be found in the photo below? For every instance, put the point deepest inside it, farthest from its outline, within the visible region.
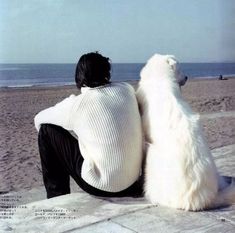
(114, 88)
(123, 85)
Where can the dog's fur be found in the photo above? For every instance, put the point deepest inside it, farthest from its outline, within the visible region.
(179, 171)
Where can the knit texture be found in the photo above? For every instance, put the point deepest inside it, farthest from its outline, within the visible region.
(107, 123)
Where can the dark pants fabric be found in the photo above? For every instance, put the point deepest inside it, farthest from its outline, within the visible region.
(61, 158)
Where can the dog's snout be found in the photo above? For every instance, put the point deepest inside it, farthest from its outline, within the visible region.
(183, 81)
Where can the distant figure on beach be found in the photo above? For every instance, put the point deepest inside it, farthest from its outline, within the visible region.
(222, 78)
(105, 157)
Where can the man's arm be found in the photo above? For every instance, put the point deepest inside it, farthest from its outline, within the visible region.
(57, 115)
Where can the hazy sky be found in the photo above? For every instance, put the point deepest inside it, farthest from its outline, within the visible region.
(60, 31)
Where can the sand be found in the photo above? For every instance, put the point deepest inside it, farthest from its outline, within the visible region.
(19, 158)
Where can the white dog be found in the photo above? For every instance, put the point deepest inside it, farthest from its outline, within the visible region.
(180, 171)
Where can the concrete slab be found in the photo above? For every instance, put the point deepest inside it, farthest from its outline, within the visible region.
(103, 227)
(69, 212)
(161, 219)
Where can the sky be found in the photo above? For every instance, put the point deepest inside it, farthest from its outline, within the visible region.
(60, 31)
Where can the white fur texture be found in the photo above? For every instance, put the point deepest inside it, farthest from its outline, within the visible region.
(180, 171)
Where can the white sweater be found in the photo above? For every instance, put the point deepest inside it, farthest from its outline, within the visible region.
(107, 123)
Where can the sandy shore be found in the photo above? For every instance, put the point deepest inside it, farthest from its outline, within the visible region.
(19, 159)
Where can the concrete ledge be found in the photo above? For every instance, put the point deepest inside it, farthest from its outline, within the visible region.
(80, 212)
(215, 115)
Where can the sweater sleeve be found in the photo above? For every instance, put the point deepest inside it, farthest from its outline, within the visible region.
(57, 115)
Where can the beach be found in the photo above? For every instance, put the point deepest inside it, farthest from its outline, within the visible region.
(20, 165)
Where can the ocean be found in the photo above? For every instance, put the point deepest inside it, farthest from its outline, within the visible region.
(23, 75)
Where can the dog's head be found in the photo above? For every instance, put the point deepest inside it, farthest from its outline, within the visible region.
(163, 67)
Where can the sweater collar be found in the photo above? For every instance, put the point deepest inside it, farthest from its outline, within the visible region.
(85, 89)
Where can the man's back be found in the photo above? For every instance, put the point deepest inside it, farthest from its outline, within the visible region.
(108, 126)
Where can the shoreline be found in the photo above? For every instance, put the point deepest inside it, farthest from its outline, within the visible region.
(19, 157)
(35, 86)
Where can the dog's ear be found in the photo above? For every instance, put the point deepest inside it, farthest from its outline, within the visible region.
(171, 60)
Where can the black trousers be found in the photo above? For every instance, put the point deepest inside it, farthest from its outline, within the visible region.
(61, 158)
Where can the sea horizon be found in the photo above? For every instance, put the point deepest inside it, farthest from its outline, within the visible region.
(59, 74)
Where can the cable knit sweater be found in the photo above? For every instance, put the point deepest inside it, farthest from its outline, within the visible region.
(107, 123)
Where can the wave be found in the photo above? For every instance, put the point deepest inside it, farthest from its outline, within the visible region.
(11, 68)
(38, 85)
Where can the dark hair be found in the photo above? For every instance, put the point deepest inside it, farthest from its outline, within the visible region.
(92, 70)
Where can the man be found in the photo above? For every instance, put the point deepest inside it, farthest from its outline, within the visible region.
(105, 158)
